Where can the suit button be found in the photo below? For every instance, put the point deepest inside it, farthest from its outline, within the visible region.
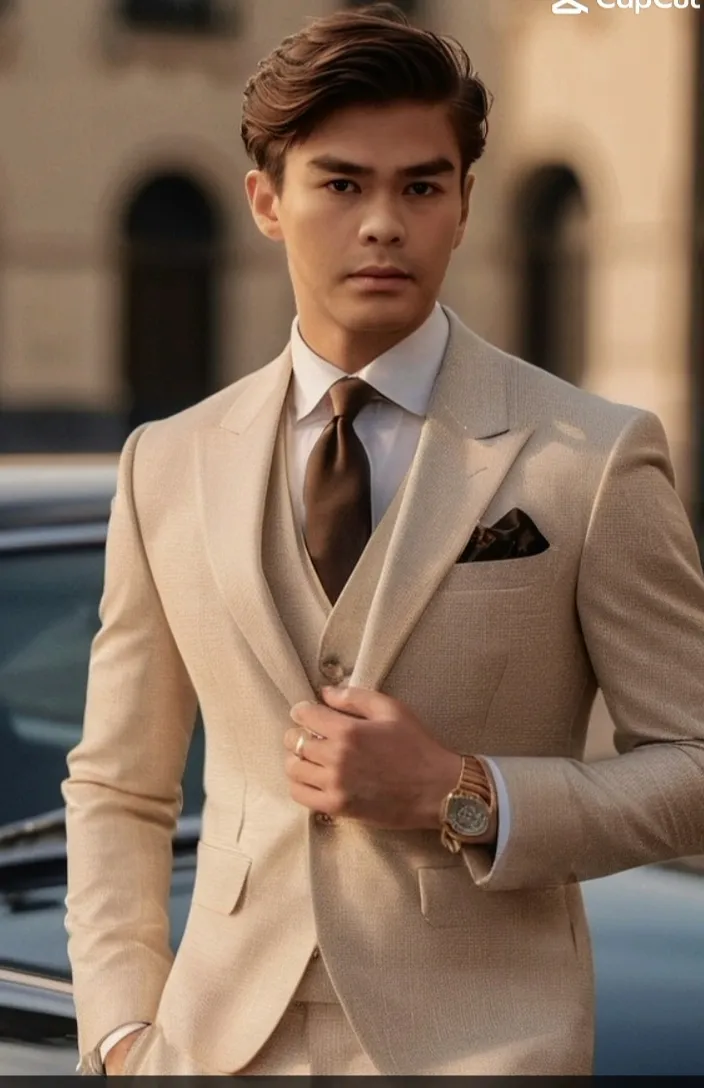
(323, 818)
(333, 670)
(316, 954)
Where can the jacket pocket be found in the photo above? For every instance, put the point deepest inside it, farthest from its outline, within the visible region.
(502, 574)
(136, 1052)
(537, 917)
(445, 895)
(220, 879)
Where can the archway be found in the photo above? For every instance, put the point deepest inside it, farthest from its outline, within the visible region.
(552, 227)
(172, 235)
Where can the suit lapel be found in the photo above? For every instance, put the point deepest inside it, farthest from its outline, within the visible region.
(468, 444)
(234, 464)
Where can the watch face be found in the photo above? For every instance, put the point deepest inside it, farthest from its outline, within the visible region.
(468, 816)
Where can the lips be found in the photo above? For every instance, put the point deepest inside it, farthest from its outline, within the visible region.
(381, 273)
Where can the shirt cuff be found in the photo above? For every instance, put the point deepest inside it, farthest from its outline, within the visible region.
(502, 804)
(114, 1037)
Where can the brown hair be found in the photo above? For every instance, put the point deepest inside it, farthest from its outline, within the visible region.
(371, 55)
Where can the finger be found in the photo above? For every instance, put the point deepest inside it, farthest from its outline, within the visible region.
(291, 738)
(313, 749)
(361, 702)
(313, 799)
(315, 717)
(305, 773)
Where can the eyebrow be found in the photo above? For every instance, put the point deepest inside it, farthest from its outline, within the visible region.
(432, 168)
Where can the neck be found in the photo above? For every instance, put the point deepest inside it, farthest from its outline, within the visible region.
(350, 351)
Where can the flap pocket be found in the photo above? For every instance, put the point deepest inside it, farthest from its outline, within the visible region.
(220, 878)
(445, 895)
(449, 897)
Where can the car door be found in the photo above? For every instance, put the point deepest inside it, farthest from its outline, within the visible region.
(51, 582)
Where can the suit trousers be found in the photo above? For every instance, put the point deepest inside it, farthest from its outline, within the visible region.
(314, 1036)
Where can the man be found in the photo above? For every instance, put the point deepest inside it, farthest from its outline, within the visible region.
(392, 567)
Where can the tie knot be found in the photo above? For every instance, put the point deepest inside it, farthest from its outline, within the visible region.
(349, 396)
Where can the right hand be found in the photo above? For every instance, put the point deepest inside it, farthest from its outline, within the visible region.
(115, 1057)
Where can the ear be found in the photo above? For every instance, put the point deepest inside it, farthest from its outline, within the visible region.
(466, 192)
(264, 204)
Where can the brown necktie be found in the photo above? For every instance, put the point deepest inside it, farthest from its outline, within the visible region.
(336, 490)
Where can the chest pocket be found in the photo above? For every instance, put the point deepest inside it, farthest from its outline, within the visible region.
(497, 575)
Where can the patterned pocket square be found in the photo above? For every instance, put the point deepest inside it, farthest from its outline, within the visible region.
(515, 536)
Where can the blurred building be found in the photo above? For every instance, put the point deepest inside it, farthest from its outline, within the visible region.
(133, 282)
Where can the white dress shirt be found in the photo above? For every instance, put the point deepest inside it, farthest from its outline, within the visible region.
(389, 431)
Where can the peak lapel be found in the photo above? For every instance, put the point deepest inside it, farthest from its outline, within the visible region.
(234, 467)
(467, 446)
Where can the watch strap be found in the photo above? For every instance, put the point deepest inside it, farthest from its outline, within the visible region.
(475, 781)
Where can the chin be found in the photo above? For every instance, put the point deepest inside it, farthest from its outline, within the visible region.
(382, 314)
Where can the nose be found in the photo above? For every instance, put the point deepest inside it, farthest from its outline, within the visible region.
(382, 225)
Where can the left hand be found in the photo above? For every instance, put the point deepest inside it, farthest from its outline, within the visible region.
(375, 761)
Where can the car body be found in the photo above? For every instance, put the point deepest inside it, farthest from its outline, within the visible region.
(53, 525)
(647, 924)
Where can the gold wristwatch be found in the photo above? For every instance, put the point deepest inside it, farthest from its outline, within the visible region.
(467, 812)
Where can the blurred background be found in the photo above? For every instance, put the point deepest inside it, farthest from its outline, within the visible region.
(133, 282)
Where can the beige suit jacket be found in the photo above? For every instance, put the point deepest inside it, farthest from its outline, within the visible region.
(443, 964)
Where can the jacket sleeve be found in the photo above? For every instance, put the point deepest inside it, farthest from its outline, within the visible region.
(123, 792)
(640, 601)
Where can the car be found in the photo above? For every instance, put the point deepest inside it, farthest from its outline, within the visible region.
(647, 924)
(53, 526)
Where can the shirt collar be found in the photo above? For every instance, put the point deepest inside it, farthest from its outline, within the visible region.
(405, 374)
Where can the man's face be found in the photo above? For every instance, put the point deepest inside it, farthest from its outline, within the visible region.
(373, 188)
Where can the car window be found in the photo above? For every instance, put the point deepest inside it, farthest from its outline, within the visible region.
(48, 618)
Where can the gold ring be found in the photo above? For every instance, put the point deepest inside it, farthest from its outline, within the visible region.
(299, 745)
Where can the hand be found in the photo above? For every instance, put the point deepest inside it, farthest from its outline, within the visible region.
(374, 761)
(115, 1057)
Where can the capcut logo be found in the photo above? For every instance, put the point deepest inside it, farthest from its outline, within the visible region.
(576, 7)
(569, 7)
(638, 6)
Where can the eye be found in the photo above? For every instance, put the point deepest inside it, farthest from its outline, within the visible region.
(338, 185)
(426, 188)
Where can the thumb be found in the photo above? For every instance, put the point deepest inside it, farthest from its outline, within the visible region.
(360, 702)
